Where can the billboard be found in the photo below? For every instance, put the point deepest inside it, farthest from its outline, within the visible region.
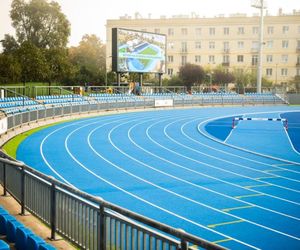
(137, 51)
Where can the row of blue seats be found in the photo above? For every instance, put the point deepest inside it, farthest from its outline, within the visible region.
(17, 103)
(47, 97)
(22, 237)
(52, 101)
(15, 110)
(13, 99)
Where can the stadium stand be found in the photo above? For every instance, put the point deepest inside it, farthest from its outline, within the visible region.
(17, 235)
(13, 105)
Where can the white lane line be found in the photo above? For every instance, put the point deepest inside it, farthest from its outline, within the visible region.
(135, 196)
(182, 196)
(234, 155)
(240, 148)
(185, 181)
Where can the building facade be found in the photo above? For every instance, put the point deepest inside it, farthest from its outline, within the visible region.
(228, 41)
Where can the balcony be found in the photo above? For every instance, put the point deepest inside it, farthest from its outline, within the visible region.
(298, 64)
(183, 50)
(225, 64)
(226, 51)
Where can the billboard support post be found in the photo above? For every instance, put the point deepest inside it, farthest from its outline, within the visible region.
(140, 79)
(118, 79)
(160, 79)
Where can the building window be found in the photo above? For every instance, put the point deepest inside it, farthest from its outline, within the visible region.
(255, 30)
(298, 60)
(211, 45)
(254, 60)
(184, 47)
(212, 31)
(298, 29)
(170, 59)
(298, 44)
(197, 59)
(255, 45)
(170, 72)
(270, 30)
(240, 44)
(183, 60)
(298, 72)
(226, 46)
(170, 32)
(269, 58)
(269, 44)
(284, 58)
(225, 59)
(285, 29)
(226, 31)
(285, 44)
(211, 59)
(184, 31)
(170, 45)
(240, 58)
(198, 45)
(269, 72)
(241, 30)
(284, 72)
(156, 30)
(198, 31)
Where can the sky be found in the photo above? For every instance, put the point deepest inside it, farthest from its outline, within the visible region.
(89, 16)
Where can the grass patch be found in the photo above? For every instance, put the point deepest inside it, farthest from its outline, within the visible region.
(12, 145)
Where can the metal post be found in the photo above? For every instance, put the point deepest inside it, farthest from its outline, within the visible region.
(53, 211)
(260, 5)
(184, 245)
(22, 201)
(101, 229)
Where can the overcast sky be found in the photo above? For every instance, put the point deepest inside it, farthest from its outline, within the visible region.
(89, 16)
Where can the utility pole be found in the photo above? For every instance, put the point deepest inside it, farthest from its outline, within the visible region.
(260, 4)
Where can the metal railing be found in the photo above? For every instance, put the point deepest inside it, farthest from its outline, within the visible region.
(87, 221)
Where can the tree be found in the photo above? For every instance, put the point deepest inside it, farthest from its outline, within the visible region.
(40, 22)
(191, 74)
(60, 67)
(221, 77)
(10, 69)
(33, 63)
(89, 58)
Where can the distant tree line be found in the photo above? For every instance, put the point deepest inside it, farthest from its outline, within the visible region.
(38, 52)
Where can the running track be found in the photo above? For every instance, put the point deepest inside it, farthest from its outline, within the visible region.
(165, 165)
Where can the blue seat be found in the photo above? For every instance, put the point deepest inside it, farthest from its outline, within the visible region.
(3, 211)
(46, 246)
(11, 228)
(34, 242)
(4, 245)
(3, 220)
(22, 233)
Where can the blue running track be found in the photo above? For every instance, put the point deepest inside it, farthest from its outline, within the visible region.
(239, 188)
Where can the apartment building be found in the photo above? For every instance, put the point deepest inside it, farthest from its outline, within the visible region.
(230, 41)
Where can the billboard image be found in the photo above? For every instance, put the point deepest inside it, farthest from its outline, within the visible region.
(136, 51)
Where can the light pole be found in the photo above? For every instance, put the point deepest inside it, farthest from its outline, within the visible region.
(260, 4)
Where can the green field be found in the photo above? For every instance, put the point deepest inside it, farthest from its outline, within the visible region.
(148, 51)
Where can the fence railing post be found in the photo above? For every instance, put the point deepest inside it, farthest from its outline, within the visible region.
(101, 228)
(4, 180)
(22, 201)
(53, 210)
(184, 245)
